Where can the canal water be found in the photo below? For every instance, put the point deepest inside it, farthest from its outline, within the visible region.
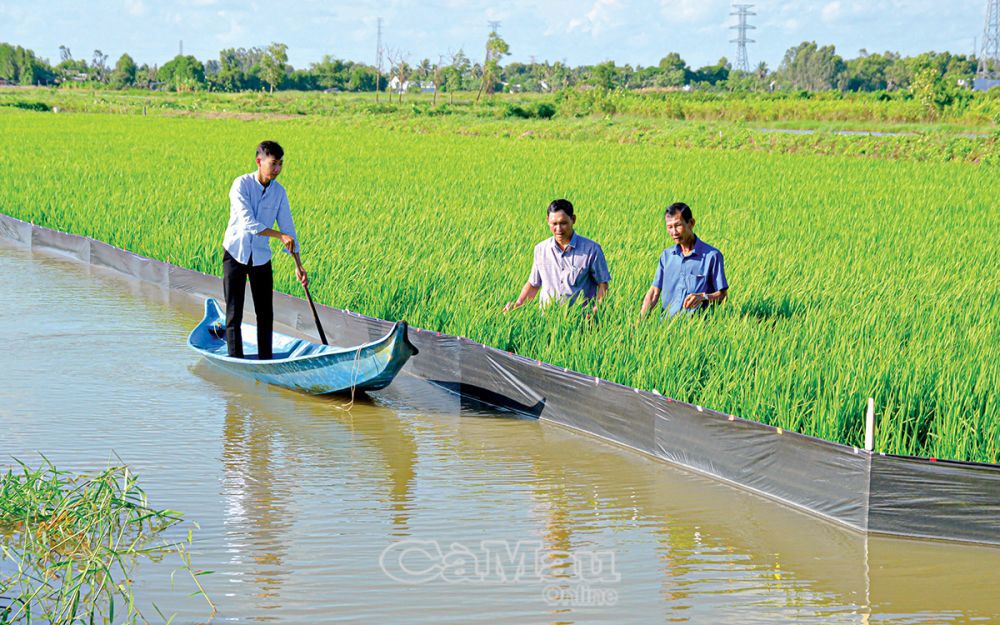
(414, 506)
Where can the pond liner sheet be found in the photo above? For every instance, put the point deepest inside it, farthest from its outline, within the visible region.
(867, 492)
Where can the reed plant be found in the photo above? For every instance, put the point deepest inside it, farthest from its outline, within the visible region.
(71, 545)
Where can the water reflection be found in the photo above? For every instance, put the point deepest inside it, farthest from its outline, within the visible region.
(271, 439)
(258, 512)
(297, 499)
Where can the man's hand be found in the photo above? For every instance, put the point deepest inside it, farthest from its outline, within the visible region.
(509, 307)
(300, 273)
(288, 242)
(695, 300)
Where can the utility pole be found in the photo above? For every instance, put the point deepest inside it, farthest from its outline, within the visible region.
(378, 59)
(180, 48)
(742, 11)
(494, 26)
(989, 59)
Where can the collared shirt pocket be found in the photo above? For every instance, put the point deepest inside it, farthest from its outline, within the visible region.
(695, 283)
(576, 271)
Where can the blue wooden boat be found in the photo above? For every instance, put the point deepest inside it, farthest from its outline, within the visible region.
(300, 365)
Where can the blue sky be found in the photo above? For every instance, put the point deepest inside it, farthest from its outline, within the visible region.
(577, 31)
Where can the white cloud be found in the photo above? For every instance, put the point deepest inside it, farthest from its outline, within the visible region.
(234, 34)
(600, 17)
(135, 8)
(692, 10)
(831, 11)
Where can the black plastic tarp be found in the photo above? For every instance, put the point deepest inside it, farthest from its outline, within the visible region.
(879, 493)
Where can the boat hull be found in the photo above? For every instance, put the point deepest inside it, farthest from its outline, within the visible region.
(301, 365)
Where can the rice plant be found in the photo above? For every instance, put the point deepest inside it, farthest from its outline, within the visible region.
(851, 277)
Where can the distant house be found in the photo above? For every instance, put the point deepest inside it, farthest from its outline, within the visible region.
(984, 84)
(427, 87)
(395, 85)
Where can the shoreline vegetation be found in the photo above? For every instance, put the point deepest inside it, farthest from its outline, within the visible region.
(857, 262)
(71, 544)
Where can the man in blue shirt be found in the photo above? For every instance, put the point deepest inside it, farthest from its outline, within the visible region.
(690, 275)
(567, 267)
(256, 201)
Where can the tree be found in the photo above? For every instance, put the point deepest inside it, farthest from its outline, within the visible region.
(362, 79)
(99, 67)
(437, 76)
(673, 71)
(424, 69)
(399, 69)
(604, 75)
(8, 68)
(934, 91)
(145, 76)
(496, 49)
(331, 73)
(212, 69)
(807, 66)
(272, 65)
(713, 74)
(182, 73)
(124, 73)
(869, 72)
(238, 69)
(20, 65)
(459, 73)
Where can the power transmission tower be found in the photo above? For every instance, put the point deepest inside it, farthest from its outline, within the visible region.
(180, 48)
(378, 59)
(490, 54)
(989, 60)
(742, 11)
(494, 26)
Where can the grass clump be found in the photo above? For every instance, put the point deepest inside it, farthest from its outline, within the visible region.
(71, 544)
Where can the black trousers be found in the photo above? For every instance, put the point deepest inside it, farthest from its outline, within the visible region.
(234, 284)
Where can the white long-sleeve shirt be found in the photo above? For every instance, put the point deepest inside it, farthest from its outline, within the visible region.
(252, 209)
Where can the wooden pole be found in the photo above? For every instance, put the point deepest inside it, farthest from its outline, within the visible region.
(870, 425)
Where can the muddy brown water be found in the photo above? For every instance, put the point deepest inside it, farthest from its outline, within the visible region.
(415, 506)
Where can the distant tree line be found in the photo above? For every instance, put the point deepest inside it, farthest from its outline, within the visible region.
(806, 67)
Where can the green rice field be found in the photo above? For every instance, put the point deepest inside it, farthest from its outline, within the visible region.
(850, 277)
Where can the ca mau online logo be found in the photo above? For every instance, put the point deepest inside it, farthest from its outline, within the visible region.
(569, 577)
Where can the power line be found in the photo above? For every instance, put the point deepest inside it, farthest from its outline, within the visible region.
(742, 11)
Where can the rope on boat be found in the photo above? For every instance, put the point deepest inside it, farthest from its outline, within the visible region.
(355, 370)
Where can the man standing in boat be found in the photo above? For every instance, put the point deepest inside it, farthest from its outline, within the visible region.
(256, 201)
(567, 266)
(690, 275)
